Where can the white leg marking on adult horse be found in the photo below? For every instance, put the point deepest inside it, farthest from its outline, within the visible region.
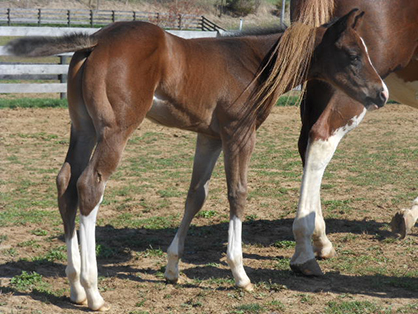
(88, 259)
(234, 254)
(309, 220)
(405, 220)
(385, 88)
(73, 269)
(404, 92)
(172, 269)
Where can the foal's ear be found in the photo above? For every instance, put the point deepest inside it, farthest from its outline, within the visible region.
(358, 20)
(351, 20)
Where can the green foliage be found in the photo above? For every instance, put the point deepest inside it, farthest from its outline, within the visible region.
(104, 252)
(250, 308)
(26, 281)
(206, 214)
(54, 254)
(285, 244)
(242, 7)
(39, 232)
(352, 307)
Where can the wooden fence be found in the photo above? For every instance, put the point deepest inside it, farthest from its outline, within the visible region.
(57, 73)
(97, 18)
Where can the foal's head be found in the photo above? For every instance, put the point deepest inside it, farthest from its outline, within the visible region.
(342, 60)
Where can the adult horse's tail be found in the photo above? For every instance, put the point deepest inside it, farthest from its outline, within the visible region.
(47, 46)
(289, 62)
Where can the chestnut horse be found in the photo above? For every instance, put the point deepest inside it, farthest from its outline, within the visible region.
(390, 32)
(221, 88)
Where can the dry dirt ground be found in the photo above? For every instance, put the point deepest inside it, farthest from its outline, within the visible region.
(372, 176)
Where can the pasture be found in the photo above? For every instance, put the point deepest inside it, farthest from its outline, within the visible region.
(373, 174)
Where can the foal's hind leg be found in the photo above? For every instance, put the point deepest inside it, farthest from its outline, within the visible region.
(77, 158)
(82, 141)
(206, 155)
(91, 186)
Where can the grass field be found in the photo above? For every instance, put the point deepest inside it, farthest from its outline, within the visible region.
(371, 177)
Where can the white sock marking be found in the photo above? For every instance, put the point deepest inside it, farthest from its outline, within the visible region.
(318, 156)
(234, 253)
(88, 258)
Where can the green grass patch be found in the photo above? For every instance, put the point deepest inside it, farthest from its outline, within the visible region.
(33, 103)
(352, 307)
(249, 308)
(26, 281)
(288, 101)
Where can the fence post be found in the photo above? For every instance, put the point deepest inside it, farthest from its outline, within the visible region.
(39, 16)
(113, 16)
(91, 18)
(9, 21)
(157, 18)
(134, 16)
(69, 17)
(282, 13)
(203, 23)
(180, 16)
(63, 77)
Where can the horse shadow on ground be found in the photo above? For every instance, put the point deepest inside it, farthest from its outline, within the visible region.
(206, 245)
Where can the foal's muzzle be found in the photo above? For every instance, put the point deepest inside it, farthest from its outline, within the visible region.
(373, 103)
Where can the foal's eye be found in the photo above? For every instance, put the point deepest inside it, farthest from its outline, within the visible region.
(354, 58)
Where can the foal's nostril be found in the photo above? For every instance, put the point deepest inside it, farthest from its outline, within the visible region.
(384, 95)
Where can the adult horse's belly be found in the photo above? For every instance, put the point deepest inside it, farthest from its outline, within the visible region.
(403, 85)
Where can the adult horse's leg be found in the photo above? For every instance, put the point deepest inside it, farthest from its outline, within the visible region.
(206, 155)
(323, 128)
(237, 157)
(82, 141)
(405, 220)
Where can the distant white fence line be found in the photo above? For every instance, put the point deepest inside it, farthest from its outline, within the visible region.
(58, 71)
(97, 18)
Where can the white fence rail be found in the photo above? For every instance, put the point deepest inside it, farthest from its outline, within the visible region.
(58, 71)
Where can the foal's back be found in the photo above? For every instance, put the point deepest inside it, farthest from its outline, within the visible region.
(193, 80)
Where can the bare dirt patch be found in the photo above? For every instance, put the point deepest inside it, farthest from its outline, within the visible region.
(371, 177)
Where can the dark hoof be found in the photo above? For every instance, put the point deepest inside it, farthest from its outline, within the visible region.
(310, 268)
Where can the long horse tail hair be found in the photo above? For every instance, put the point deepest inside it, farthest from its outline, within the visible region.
(39, 46)
(290, 59)
(287, 64)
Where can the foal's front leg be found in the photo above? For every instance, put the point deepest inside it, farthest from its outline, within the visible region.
(237, 157)
(206, 155)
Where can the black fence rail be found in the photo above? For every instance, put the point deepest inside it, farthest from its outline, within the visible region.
(207, 25)
(95, 18)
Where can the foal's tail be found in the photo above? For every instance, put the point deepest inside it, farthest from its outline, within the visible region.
(48, 46)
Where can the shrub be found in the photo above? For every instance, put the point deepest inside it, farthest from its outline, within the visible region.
(242, 7)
